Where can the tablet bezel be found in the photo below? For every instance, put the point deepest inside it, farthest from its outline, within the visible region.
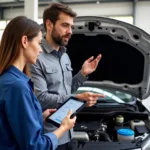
(74, 114)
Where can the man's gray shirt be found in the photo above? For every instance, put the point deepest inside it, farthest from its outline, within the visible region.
(52, 77)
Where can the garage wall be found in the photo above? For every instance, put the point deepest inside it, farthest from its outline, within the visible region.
(103, 9)
(143, 16)
(11, 13)
(84, 9)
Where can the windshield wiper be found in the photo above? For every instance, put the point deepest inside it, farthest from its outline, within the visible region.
(116, 103)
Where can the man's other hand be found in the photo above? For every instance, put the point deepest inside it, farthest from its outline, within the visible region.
(90, 65)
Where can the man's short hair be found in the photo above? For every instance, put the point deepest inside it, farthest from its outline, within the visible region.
(53, 11)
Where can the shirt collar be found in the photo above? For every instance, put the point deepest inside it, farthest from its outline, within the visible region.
(18, 73)
(48, 48)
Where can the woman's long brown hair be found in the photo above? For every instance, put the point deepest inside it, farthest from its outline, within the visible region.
(11, 40)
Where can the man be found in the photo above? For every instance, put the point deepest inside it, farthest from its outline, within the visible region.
(52, 74)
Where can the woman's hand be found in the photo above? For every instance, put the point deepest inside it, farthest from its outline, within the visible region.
(67, 122)
(47, 112)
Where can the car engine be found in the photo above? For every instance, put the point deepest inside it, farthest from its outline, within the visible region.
(98, 127)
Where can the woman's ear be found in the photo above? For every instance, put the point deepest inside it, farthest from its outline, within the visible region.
(49, 25)
(24, 41)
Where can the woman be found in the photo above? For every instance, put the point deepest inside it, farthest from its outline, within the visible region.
(21, 122)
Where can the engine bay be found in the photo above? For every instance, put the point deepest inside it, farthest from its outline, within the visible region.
(98, 126)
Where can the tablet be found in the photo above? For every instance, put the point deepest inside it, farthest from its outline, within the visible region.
(72, 103)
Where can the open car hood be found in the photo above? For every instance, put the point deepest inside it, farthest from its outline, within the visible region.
(125, 49)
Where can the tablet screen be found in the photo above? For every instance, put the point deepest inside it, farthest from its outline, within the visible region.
(61, 113)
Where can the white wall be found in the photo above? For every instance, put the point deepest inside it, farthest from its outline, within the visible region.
(143, 16)
(11, 13)
(103, 9)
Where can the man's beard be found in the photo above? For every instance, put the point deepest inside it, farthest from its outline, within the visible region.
(59, 40)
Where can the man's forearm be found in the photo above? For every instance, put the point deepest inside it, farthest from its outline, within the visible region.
(78, 81)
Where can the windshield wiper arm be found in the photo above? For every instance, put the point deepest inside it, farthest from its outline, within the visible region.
(114, 102)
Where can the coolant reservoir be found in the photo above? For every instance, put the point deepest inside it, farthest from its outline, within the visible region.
(125, 135)
(135, 123)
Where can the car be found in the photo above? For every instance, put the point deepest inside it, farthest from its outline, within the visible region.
(119, 121)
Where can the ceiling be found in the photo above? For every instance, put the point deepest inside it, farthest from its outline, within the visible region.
(20, 3)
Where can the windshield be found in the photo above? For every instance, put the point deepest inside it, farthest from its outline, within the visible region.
(110, 95)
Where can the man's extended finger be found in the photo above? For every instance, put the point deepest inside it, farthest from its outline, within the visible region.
(96, 95)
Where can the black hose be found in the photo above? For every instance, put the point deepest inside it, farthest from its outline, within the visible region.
(103, 134)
